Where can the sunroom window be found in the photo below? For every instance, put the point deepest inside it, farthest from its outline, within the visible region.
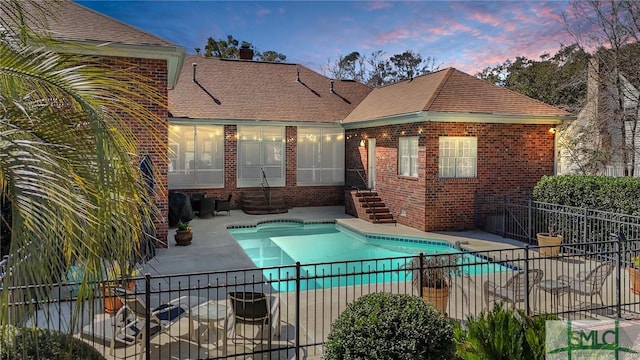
(261, 149)
(196, 156)
(320, 156)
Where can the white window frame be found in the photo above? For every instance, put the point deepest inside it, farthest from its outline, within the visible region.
(408, 156)
(321, 138)
(457, 156)
(270, 157)
(190, 146)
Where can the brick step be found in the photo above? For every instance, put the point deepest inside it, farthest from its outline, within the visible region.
(381, 216)
(366, 194)
(256, 203)
(369, 199)
(373, 205)
(378, 210)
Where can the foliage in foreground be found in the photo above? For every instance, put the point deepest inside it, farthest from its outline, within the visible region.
(68, 156)
(42, 344)
(390, 326)
(502, 334)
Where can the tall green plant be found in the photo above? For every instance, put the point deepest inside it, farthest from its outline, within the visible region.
(68, 159)
(503, 334)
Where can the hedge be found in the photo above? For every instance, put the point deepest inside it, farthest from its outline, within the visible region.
(613, 194)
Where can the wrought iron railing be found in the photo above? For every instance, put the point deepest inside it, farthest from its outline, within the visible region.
(309, 297)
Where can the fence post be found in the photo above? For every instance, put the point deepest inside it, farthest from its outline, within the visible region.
(297, 340)
(421, 267)
(504, 217)
(529, 220)
(619, 287)
(147, 316)
(526, 280)
(585, 228)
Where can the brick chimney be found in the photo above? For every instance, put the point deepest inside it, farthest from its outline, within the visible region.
(246, 52)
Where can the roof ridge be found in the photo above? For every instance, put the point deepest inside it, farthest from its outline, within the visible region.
(435, 94)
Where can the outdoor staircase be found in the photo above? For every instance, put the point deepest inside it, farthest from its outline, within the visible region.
(256, 203)
(372, 208)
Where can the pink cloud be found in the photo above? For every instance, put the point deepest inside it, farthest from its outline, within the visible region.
(393, 36)
(486, 18)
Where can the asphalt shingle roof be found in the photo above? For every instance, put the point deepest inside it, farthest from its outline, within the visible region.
(448, 90)
(68, 20)
(251, 90)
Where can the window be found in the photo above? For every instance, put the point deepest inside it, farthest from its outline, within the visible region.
(457, 157)
(196, 156)
(261, 148)
(320, 156)
(408, 156)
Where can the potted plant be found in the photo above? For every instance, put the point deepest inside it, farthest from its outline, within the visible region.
(434, 278)
(117, 277)
(183, 234)
(550, 242)
(634, 274)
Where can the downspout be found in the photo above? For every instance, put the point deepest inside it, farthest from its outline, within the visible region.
(555, 151)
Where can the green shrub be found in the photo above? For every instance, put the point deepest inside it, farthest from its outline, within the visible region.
(612, 194)
(41, 344)
(502, 334)
(390, 326)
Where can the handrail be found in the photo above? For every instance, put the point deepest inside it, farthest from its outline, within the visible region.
(264, 183)
(366, 200)
(364, 181)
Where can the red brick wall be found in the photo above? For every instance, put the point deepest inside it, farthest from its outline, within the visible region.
(152, 138)
(511, 159)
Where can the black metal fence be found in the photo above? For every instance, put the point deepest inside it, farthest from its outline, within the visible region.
(199, 315)
(522, 220)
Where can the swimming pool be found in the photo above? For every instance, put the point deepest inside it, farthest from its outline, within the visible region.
(341, 251)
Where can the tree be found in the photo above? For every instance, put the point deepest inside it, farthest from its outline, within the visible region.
(272, 56)
(66, 158)
(410, 64)
(228, 49)
(611, 30)
(374, 70)
(558, 80)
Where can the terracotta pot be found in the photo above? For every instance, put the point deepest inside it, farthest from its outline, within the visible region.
(183, 237)
(545, 240)
(634, 279)
(439, 298)
(113, 303)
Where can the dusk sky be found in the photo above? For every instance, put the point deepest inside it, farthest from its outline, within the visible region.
(467, 35)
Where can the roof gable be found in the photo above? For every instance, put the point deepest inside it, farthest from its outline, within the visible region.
(252, 90)
(448, 91)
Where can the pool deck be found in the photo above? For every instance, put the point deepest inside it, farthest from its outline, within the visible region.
(214, 249)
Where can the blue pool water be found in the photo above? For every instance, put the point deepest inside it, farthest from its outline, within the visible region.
(283, 243)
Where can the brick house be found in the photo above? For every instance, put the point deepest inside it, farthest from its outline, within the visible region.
(435, 146)
(232, 120)
(430, 146)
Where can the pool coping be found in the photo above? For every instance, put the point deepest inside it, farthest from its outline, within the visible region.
(421, 237)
